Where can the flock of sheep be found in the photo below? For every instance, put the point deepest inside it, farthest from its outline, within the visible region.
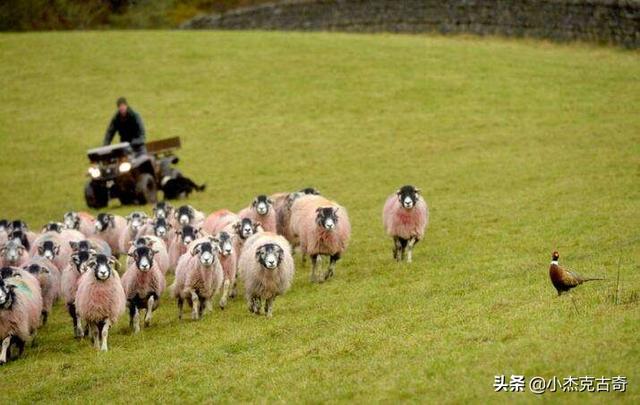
(77, 259)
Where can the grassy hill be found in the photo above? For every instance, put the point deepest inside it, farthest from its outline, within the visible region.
(520, 148)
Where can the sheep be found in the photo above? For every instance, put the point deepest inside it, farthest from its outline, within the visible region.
(405, 217)
(162, 209)
(70, 280)
(143, 284)
(267, 269)
(53, 247)
(187, 215)
(282, 206)
(320, 227)
(178, 246)
(79, 221)
(160, 228)
(243, 229)
(228, 257)
(109, 227)
(261, 210)
(218, 220)
(12, 253)
(20, 310)
(91, 243)
(20, 225)
(100, 299)
(49, 280)
(135, 221)
(198, 277)
(161, 255)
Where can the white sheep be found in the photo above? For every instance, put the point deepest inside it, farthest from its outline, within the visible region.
(109, 227)
(261, 210)
(135, 221)
(267, 269)
(199, 276)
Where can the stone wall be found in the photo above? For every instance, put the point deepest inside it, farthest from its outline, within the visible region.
(603, 21)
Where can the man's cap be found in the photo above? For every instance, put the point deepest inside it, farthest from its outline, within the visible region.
(121, 100)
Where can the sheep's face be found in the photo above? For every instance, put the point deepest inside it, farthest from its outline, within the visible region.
(245, 228)
(4, 225)
(143, 257)
(184, 215)
(36, 269)
(53, 227)
(161, 227)
(262, 204)
(327, 217)
(18, 225)
(71, 220)
(79, 258)
(6, 294)
(83, 245)
(162, 210)
(135, 220)
(101, 266)
(103, 221)
(48, 249)
(19, 237)
(408, 196)
(269, 255)
(12, 251)
(206, 252)
(225, 242)
(188, 234)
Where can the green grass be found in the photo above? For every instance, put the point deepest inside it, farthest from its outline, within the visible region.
(520, 148)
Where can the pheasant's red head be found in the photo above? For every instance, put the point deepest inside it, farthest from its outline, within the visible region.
(555, 256)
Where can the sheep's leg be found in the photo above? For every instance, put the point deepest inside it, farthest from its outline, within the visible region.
(44, 316)
(195, 306)
(255, 305)
(332, 266)
(147, 316)
(96, 335)
(396, 248)
(314, 267)
(71, 308)
(205, 306)
(225, 293)
(234, 288)
(268, 307)
(410, 245)
(304, 259)
(180, 307)
(403, 246)
(5, 350)
(20, 343)
(105, 334)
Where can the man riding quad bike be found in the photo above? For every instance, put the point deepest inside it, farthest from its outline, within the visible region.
(133, 171)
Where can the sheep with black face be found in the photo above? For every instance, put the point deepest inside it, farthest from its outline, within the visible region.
(405, 217)
(163, 210)
(187, 215)
(267, 269)
(109, 228)
(79, 221)
(20, 310)
(228, 259)
(261, 210)
(70, 280)
(320, 227)
(143, 284)
(180, 242)
(100, 299)
(135, 221)
(48, 278)
(199, 276)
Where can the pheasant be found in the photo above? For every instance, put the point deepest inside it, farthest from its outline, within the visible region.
(564, 280)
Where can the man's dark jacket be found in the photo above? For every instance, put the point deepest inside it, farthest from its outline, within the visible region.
(129, 126)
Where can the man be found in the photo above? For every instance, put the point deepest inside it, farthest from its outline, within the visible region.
(129, 125)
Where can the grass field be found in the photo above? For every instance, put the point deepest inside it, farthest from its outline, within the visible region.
(520, 148)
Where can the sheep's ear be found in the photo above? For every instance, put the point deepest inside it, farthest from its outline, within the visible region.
(198, 231)
(270, 201)
(398, 192)
(418, 191)
(115, 263)
(56, 249)
(237, 226)
(335, 210)
(21, 250)
(318, 209)
(40, 250)
(44, 229)
(3, 250)
(132, 254)
(74, 245)
(155, 252)
(196, 249)
(112, 220)
(129, 218)
(254, 202)
(259, 252)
